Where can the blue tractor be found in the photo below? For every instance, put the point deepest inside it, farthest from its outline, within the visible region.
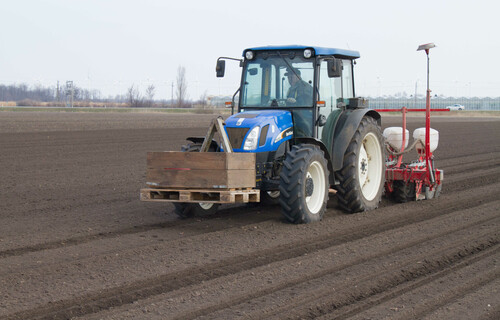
(298, 113)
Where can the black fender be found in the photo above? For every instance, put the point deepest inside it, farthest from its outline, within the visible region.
(345, 128)
(213, 145)
(321, 145)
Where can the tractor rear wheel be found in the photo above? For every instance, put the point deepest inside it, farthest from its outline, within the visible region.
(188, 210)
(363, 173)
(304, 184)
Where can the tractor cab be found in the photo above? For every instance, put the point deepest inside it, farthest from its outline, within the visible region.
(309, 82)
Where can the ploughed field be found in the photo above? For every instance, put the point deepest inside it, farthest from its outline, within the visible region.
(76, 242)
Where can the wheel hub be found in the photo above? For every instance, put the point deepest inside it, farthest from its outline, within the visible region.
(364, 166)
(309, 186)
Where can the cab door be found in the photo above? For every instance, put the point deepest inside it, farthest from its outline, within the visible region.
(330, 91)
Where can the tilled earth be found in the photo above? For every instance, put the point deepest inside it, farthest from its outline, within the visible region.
(76, 242)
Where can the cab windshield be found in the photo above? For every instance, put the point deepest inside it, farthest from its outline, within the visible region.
(278, 80)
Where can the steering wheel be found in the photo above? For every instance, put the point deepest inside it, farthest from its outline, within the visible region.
(277, 103)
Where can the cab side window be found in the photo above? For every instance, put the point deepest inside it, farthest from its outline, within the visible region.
(347, 85)
(329, 89)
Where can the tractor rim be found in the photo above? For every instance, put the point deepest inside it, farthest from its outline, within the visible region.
(274, 194)
(370, 166)
(317, 183)
(206, 205)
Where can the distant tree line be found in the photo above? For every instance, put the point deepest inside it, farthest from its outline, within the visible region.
(20, 92)
(25, 95)
(23, 91)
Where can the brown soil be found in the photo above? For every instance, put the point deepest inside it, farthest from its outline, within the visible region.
(76, 242)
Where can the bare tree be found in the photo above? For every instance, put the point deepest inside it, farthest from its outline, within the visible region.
(150, 94)
(181, 86)
(134, 97)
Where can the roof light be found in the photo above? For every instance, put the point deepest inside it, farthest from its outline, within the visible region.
(307, 53)
(249, 55)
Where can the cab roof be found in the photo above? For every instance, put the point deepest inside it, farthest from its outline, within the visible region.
(341, 53)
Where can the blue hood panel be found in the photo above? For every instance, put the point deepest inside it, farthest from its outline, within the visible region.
(279, 124)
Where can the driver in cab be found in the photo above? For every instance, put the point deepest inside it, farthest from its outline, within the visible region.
(300, 92)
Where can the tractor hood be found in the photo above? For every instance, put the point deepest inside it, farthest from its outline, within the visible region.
(259, 130)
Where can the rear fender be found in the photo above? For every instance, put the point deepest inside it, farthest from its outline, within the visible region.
(345, 128)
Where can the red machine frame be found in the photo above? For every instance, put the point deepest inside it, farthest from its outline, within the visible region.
(422, 173)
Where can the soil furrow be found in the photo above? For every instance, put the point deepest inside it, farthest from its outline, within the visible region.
(361, 230)
(113, 234)
(330, 300)
(483, 303)
(469, 167)
(291, 288)
(457, 161)
(76, 241)
(470, 179)
(466, 276)
(127, 294)
(273, 289)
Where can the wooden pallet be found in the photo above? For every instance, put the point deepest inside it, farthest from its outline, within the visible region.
(201, 195)
(200, 170)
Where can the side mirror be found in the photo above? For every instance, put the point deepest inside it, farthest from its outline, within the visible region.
(321, 120)
(220, 69)
(334, 68)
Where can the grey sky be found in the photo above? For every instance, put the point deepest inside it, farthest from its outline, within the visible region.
(110, 45)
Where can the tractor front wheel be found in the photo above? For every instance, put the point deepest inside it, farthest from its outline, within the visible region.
(270, 198)
(304, 184)
(188, 210)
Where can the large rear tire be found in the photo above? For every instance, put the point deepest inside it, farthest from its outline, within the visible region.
(202, 209)
(363, 173)
(304, 184)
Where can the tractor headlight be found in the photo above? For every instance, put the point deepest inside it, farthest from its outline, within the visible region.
(249, 55)
(252, 139)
